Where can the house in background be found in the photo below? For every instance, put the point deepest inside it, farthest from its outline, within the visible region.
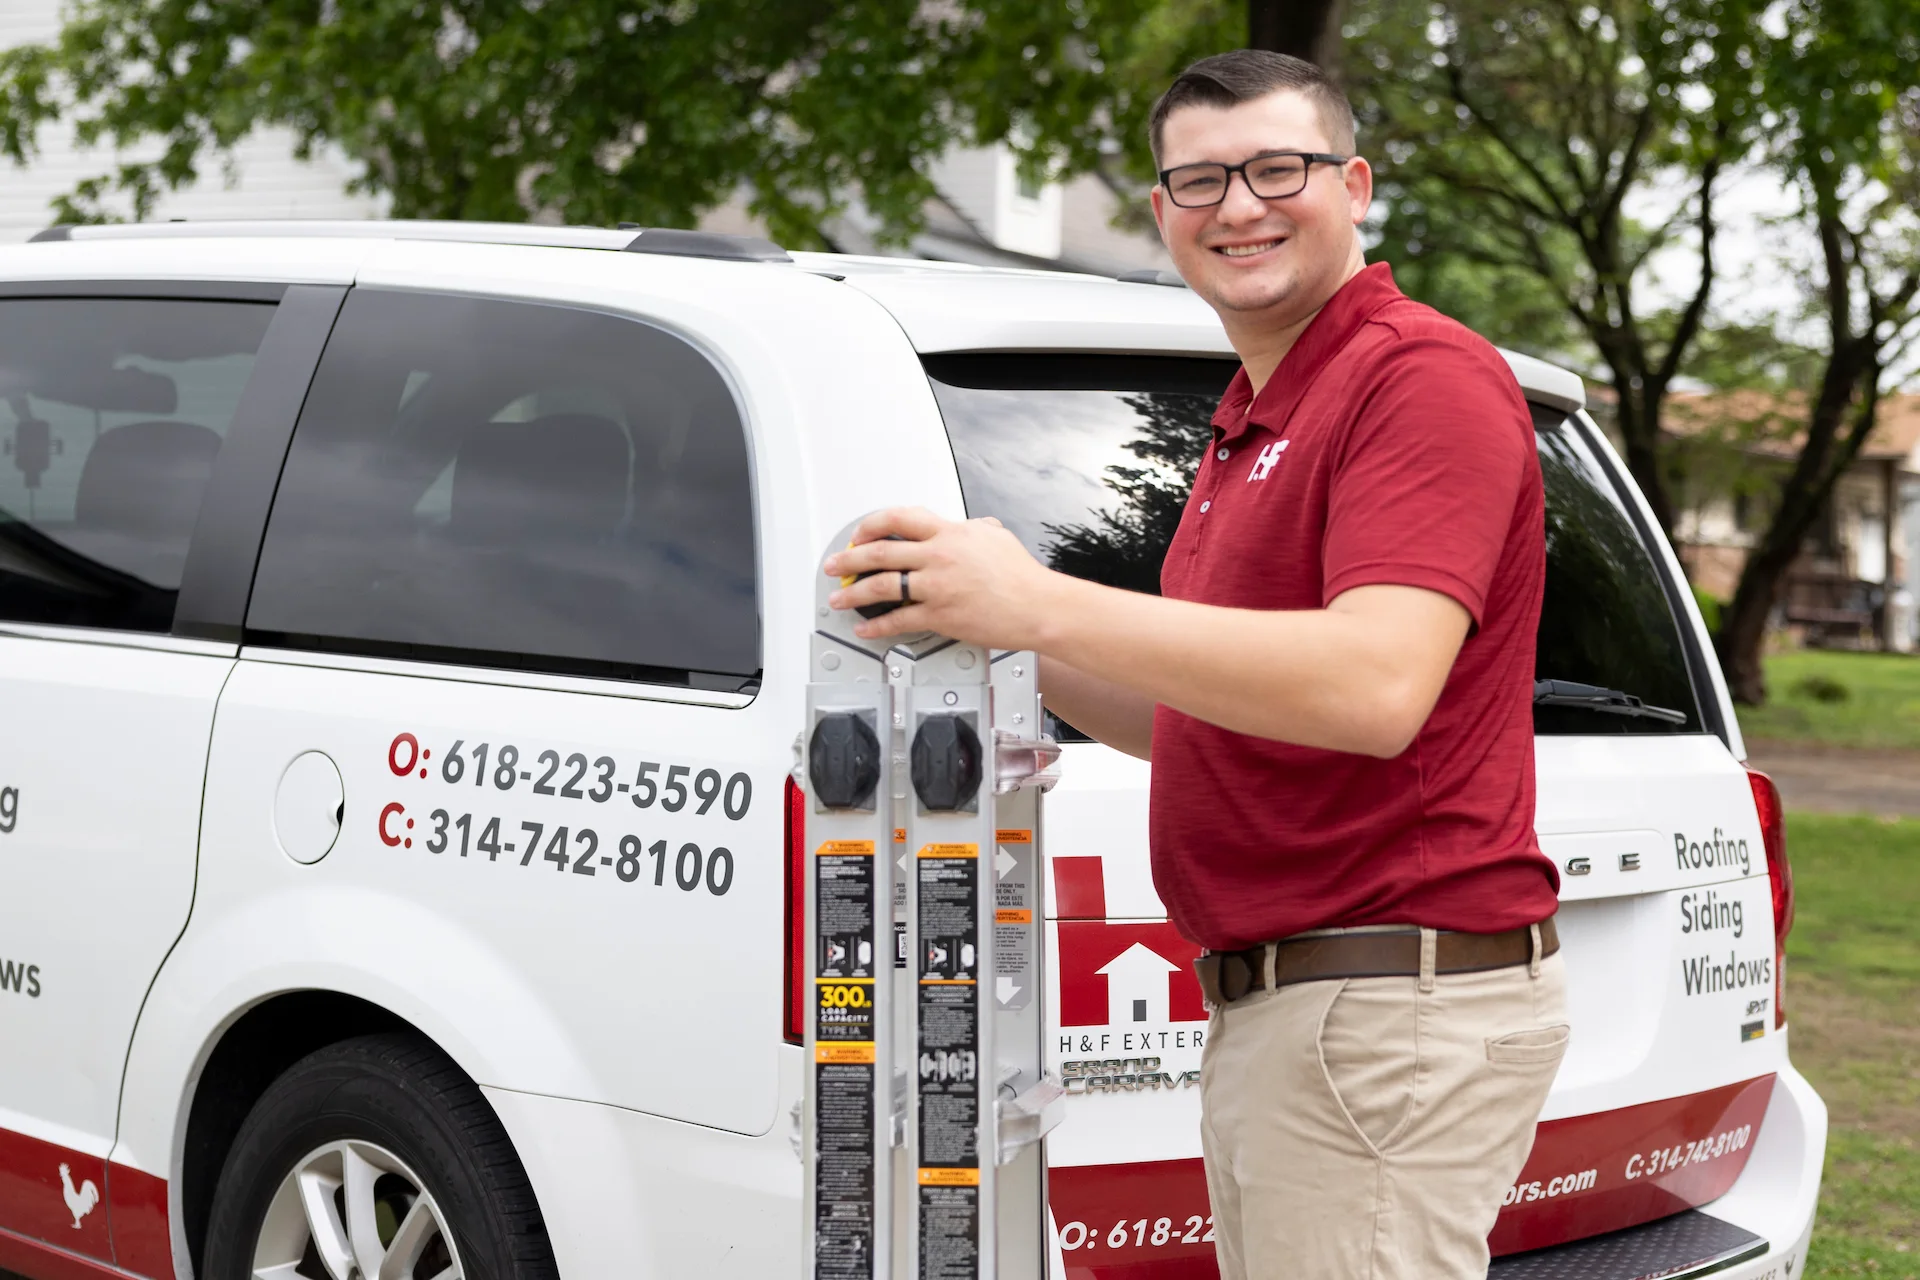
(1856, 581)
(985, 213)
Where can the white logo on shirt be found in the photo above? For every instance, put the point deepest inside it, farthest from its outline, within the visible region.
(1264, 463)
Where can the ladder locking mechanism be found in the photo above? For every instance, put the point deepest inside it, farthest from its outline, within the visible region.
(945, 763)
(1030, 1116)
(843, 761)
(1020, 763)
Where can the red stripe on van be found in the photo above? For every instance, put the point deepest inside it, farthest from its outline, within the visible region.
(122, 1215)
(1587, 1175)
(141, 1241)
(44, 1262)
(41, 1202)
(1612, 1169)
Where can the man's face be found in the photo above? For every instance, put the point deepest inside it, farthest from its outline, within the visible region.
(1252, 258)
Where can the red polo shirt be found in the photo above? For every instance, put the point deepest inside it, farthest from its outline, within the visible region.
(1392, 445)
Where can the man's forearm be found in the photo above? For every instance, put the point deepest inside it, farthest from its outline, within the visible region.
(1359, 676)
(1110, 713)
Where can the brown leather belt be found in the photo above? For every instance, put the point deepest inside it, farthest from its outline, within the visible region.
(1226, 976)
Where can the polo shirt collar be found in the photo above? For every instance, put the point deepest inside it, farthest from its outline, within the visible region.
(1329, 331)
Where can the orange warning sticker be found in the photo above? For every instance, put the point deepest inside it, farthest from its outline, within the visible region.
(949, 1177)
(845, 1054)
(1011, 915)
(949, 851)
(1013, 835)
(845, 849)
(899, 835)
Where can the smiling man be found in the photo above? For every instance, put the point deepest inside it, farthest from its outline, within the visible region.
(1335, 690)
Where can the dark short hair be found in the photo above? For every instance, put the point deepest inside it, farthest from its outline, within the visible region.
(1228, 79)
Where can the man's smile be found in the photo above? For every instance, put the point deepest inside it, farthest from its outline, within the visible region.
(1249, 249)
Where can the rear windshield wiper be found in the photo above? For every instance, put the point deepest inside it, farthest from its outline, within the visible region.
(1568, 693)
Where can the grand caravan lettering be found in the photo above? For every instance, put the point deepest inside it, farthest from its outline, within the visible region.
(1122, 1075)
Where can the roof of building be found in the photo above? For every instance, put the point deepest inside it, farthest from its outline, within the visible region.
(1774, 422)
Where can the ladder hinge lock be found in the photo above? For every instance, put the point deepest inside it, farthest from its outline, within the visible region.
(843, 760)
(945, 763)
(1030, 1116)
(1020, 763)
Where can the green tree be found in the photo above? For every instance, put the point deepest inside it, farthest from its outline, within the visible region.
(644, 110)
(1511, 138)
(1843, 115)
(597, 110)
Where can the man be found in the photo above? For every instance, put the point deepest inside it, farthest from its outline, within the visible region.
(1335, 692)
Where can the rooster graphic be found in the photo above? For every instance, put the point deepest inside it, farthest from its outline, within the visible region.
(79, 1203)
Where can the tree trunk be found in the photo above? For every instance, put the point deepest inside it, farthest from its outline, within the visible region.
(1643, 450)
(1307, 29)
(1851, 367)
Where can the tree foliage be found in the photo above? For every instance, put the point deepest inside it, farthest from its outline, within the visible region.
(594, 110)
(1843, 112)
(1513, 137)
(1124, 544)
(643, 110)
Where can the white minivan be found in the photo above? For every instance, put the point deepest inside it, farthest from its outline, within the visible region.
(403, 639)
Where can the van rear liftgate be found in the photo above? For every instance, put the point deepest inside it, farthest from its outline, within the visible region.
(925, 1094)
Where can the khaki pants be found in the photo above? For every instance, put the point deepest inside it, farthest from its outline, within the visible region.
(1368, 1129)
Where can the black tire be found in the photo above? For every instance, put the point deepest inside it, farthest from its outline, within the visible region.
(397, 1091)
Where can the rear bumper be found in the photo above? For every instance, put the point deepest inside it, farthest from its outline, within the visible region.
(1779, 1189)
(1758, 1230)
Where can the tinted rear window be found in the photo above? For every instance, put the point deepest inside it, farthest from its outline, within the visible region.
(512, 484)
(1089, 460)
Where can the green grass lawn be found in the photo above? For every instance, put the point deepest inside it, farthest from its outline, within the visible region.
(1853, 1003)
(1878, 702)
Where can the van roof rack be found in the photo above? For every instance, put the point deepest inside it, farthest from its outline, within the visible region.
(707, 244)
(662, 240)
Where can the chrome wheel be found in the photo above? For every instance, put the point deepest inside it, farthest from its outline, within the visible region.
(354, 1211)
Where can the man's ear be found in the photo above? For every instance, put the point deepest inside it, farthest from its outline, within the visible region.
(1159, 214)
(1359, 180)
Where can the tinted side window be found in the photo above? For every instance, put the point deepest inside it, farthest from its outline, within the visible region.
(515, 484)
(1606, 620)
(111, 412)
(1089, 460)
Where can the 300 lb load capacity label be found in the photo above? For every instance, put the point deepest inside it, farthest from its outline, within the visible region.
(948, 992)
(845, 965)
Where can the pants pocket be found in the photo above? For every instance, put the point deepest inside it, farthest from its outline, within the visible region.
(1524, 1048)
(1370, 1054)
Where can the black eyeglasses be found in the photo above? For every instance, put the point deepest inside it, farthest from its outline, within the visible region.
(1273, 176)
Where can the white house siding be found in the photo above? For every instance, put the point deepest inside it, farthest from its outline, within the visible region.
(267, 181)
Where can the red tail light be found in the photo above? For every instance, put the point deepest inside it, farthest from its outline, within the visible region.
(1773, 834)
(796, 928)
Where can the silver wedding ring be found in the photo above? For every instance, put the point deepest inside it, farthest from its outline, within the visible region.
(904, 597)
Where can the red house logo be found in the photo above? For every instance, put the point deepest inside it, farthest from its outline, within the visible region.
(1118, 974)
